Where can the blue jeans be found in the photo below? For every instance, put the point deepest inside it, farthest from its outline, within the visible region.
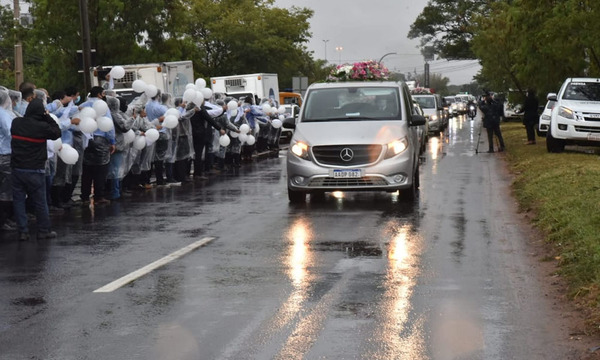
(32, 184)
(116, 159)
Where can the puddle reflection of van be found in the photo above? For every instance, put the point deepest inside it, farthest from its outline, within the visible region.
(354, 136)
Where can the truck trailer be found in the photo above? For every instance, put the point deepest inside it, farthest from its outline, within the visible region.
(258, 86)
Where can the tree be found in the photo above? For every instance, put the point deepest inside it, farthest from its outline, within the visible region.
(6, 47)
(445, 25)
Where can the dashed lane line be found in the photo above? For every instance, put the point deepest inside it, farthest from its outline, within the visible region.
(153, 266)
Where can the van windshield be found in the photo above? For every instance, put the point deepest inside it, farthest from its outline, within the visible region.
(352, 103)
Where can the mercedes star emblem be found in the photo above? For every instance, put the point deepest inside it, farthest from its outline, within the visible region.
(346, 154)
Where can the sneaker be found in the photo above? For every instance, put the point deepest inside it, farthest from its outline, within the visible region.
(8, 227)
(56, 210)
(23, 236)
(173, 183)
(46, 235)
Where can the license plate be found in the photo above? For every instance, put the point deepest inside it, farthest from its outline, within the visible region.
(347, 174)
(593, 137)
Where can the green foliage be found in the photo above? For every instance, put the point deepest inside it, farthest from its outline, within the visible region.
(221, 37)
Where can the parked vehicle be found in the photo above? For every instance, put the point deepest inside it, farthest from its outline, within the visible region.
(434, 111)
(291, 111)
(287, 98)
(544, 123)
(258, 86)
(422, 130)
(171, 77)
(575, 118)
(354, 136)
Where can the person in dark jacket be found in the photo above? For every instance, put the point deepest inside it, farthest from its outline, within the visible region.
(530, 115)
(28, 162)
(202, 121)
(492, 111)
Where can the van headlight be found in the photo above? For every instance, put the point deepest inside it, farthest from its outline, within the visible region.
(566, 113)
(396, 147)
(433, 117)
(300, 149)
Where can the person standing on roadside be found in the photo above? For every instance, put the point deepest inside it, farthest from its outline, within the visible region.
(492, 112)
(530, 115)
(28, 164)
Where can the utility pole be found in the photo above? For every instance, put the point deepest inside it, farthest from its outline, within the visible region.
(18, 47)
(86, 50)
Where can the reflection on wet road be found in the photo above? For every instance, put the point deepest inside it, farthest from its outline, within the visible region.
(347, 276)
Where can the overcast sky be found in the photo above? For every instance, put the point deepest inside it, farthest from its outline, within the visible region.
(370, 29)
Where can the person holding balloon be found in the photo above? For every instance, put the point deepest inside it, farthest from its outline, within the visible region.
(156, 114)
(122, 124)
(101, 145)
(224, 140)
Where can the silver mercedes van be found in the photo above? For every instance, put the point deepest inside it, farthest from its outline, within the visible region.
(354, 136)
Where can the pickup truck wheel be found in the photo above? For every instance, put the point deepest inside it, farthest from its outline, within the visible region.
(296, 197)
(554, 145)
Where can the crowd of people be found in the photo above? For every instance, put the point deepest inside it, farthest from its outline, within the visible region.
(40, 133)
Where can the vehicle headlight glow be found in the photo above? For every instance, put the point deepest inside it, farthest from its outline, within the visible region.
(433, 117)
(300, 149)
(396, 147)
(566, 113)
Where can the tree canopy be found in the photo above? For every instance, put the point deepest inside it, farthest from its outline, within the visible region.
(221, 37)
(521, 44)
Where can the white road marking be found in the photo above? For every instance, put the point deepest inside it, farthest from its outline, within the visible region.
(153, 266)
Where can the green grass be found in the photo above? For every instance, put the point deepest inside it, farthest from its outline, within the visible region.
(562, 192)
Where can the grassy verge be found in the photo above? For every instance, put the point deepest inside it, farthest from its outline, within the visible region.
(562, 194)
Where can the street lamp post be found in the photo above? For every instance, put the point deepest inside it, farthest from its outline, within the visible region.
(339, 50)
(392, 53)
(325, 41)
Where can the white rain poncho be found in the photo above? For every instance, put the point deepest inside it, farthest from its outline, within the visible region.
(123, 123)
(182, 145)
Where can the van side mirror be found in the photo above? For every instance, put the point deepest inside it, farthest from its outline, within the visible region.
(289, 123)
(417, 120)
(551, 97)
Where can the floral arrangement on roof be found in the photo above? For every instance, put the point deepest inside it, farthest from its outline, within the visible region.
(420, 91)
(360, 71)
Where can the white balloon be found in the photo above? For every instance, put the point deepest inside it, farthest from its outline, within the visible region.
(199, 99)
(206, 92)
(281, 109)
(234, 112)
(151, 90)
(233, 134)
(224, 140)
(68, 155)
(232, 105)
(170, 121)
(88, 125)
(57, 144)
(140, 142)
(105, 124)
(251, 140)
(276, 123)
(139, 86)
(87, 112)
(129, 136)
(244, 129)
(174, 112)
(266, 108)
(243, 138)
(117, 72)
(152, 135)
(100, 107)
(190, 86)
(189, 95)
(281, 117)
(200, 83)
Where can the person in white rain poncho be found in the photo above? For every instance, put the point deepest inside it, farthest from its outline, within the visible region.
(6, 118)
(224, 123)
(182, 146)
(139, 160)
(117, 168)
(156, 115)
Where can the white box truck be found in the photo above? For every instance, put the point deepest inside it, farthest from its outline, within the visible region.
(258, 86)
(170, 77)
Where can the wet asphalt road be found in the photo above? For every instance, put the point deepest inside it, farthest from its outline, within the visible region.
(353, 276)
